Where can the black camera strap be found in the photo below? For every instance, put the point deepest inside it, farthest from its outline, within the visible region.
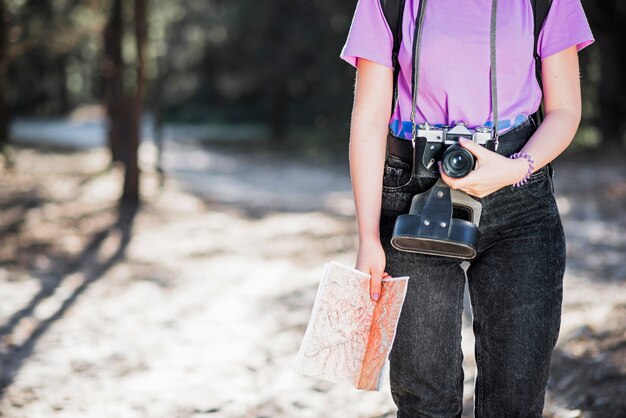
(417, 39)
(492, 73)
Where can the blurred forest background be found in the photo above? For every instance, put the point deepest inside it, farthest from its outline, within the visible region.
(274, 66)
(229, 122)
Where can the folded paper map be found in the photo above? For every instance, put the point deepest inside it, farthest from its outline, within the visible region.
(349, 336)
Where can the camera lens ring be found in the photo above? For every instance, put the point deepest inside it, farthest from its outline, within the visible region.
(457, 162)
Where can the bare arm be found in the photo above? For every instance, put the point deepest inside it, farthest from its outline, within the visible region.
(563, 107)
(368, 137)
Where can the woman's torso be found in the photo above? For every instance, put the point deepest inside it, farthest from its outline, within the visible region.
(454, 65)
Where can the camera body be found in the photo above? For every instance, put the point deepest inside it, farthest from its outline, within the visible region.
(442, 144)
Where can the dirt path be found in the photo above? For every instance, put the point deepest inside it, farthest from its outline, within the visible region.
(194, 306)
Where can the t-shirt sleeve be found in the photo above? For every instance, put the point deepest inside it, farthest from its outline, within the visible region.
(369, 36)
(565, 25)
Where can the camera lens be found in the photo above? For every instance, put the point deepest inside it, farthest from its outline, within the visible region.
(457, 161)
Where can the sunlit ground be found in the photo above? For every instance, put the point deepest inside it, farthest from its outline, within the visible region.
(195, 306)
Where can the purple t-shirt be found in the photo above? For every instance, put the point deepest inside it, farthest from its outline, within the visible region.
(454, 62)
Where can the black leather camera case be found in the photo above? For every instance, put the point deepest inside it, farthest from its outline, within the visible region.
(430, 228)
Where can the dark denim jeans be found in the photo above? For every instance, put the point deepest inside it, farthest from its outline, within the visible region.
(515, 286)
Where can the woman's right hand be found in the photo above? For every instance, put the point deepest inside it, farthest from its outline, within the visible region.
(371, 259)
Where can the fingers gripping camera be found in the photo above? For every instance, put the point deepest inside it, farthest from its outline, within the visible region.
(442, 144)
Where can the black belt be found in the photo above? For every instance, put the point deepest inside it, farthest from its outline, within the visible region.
(510, 142)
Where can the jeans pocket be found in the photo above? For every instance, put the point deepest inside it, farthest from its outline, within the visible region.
(539, 183)
(399, 186)
(397, 174)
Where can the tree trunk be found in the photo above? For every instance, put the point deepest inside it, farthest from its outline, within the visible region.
(125, 110)
(64, 98)
(4, 64)
(157, 112)
(131, 178)
(129, 151)
(278, 109)
(609, 87)
(279, 55)
(113, 72)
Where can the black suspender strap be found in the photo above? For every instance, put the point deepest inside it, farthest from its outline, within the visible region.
(394, 10)
(540, 12)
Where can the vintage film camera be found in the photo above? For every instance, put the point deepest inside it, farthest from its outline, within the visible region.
(442, 144)
(442, 221)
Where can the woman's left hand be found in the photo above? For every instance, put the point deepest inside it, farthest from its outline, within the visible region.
(493, 171)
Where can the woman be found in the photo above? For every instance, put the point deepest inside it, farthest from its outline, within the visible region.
(515, 282)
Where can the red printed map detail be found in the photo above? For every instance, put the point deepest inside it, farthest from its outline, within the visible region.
(349, 336)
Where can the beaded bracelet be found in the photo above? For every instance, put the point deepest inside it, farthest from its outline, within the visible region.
(531, 167)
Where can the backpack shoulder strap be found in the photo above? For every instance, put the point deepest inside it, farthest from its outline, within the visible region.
(394, 10)
(540, 12)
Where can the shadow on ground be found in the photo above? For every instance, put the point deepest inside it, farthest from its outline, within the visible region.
(74, 274)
